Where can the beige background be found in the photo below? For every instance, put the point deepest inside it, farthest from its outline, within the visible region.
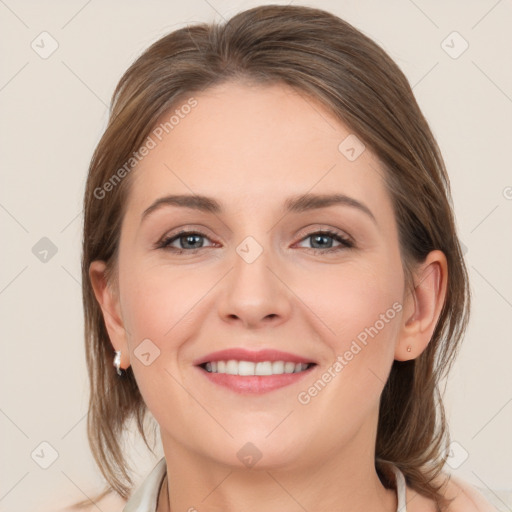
(54, 110)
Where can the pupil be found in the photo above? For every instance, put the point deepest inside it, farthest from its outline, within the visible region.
(190, 238)
(320, 237)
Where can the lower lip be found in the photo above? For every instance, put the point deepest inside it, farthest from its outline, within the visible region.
(255, 383)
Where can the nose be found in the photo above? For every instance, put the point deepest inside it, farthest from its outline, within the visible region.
(255, 293)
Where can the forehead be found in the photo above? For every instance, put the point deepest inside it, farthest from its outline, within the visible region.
(254, 145)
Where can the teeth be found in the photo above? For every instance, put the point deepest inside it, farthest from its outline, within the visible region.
(246, 368)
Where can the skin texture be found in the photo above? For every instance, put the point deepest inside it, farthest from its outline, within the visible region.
(251, 147)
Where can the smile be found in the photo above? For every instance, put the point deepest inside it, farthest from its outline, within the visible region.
(249, 368)
(247, 377)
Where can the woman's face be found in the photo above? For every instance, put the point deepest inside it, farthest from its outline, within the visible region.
(257, 275)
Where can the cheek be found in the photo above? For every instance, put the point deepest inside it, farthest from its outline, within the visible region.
(360, 312)
(156, 299)
(359, 308)
(357, 300)
(157, 306)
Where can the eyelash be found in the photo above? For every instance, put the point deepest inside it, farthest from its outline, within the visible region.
(346, 243)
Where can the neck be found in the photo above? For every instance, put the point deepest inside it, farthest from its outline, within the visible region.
(194, 484)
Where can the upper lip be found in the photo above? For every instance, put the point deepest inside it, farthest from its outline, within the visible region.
(242, 354)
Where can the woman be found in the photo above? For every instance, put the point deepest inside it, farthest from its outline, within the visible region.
(270, 256)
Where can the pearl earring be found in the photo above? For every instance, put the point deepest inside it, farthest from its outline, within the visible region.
(409, 348)
(117, 362)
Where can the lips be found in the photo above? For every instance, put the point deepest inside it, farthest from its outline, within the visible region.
(241, 354)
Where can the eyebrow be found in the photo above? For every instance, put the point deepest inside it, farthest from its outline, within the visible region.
(295, 204)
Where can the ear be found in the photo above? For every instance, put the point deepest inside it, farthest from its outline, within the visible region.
(108, 300)
(422, 306)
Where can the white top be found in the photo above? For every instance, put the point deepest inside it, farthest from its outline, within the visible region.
(144, 499)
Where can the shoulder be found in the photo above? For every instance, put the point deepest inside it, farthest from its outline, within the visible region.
(109, 503)
(466, 498)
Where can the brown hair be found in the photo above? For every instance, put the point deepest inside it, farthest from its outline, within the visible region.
(329, 60)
